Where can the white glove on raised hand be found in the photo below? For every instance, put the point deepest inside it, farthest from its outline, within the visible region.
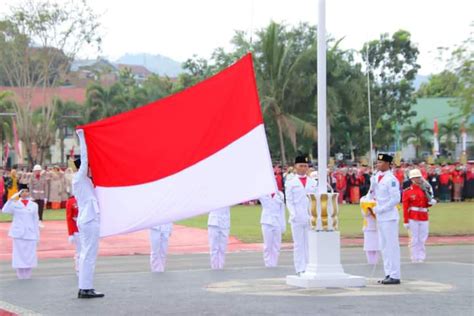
(80, 132)
(70, 239)
(406, 226)
(433, 202)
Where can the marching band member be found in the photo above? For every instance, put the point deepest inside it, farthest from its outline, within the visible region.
(416, 200)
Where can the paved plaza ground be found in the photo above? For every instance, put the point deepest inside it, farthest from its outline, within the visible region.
(441, 286)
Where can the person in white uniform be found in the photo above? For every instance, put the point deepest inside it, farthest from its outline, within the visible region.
(87, 221)
(24, 231)
(297, 201)
(371, 239)
(273, 226)
(385, 190)
(159, 236)
(218, 228)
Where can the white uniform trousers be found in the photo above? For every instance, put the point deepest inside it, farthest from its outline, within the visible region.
(300, 246)
(390, 247)
(89, 236)
(218, 239)
(159, 249)
(419, 231)
(271, 244)
(77, 244)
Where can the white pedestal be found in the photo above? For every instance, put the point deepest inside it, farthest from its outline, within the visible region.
(324, 268)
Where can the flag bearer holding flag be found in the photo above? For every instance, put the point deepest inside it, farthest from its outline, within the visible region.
(88, 223)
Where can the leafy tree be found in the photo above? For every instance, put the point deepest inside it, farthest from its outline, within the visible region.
(6, 106)
(444, 84)
(38, 39)
(392, 69)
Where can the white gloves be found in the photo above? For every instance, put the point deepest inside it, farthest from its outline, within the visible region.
(406, 226)
(433, 202)
(70, 239)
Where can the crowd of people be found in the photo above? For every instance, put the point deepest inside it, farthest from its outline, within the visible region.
(57, 189)
(450, 182)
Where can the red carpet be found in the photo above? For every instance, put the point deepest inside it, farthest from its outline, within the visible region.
(53, 242)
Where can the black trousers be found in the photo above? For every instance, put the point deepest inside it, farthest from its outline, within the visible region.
(40, 208)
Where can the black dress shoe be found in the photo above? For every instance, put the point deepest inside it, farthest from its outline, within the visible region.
(89, 294)
(386, 278)
(391, 281)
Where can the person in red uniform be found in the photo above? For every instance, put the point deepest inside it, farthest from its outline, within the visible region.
(416, 199)
(341, 184)
(457, 176)
(445, 184)
(71, 218)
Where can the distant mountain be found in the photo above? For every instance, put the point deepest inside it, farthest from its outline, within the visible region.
(156, 63)
(419, 79)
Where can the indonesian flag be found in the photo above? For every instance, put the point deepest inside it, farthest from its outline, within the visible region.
(185, 155)
(435, 138)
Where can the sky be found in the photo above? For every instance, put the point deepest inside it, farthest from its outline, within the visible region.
(181, 28)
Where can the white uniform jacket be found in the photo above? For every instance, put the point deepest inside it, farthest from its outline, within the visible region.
(25, 224)
(297, 200)
(219, 217)
(83, 189)
(273, 210)
(386, 193)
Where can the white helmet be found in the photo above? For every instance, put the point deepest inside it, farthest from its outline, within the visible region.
(37, 168)
(415, 173)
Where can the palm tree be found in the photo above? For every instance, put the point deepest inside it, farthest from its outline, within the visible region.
(275, 73)
(449, 134)
(417, 135)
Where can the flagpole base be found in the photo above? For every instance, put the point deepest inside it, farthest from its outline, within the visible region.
(324, 268)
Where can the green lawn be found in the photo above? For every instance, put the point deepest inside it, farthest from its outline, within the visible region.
(445, 219)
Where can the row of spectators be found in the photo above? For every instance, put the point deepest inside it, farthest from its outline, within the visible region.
(453, 182)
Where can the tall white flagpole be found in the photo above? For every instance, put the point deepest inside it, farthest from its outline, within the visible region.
(324, 268)
(322, 121)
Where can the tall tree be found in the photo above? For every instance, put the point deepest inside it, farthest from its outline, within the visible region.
(392, 69)
(38, 40)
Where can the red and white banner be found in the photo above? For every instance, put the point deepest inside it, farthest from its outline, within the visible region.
(178, 157)
(435, 139)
